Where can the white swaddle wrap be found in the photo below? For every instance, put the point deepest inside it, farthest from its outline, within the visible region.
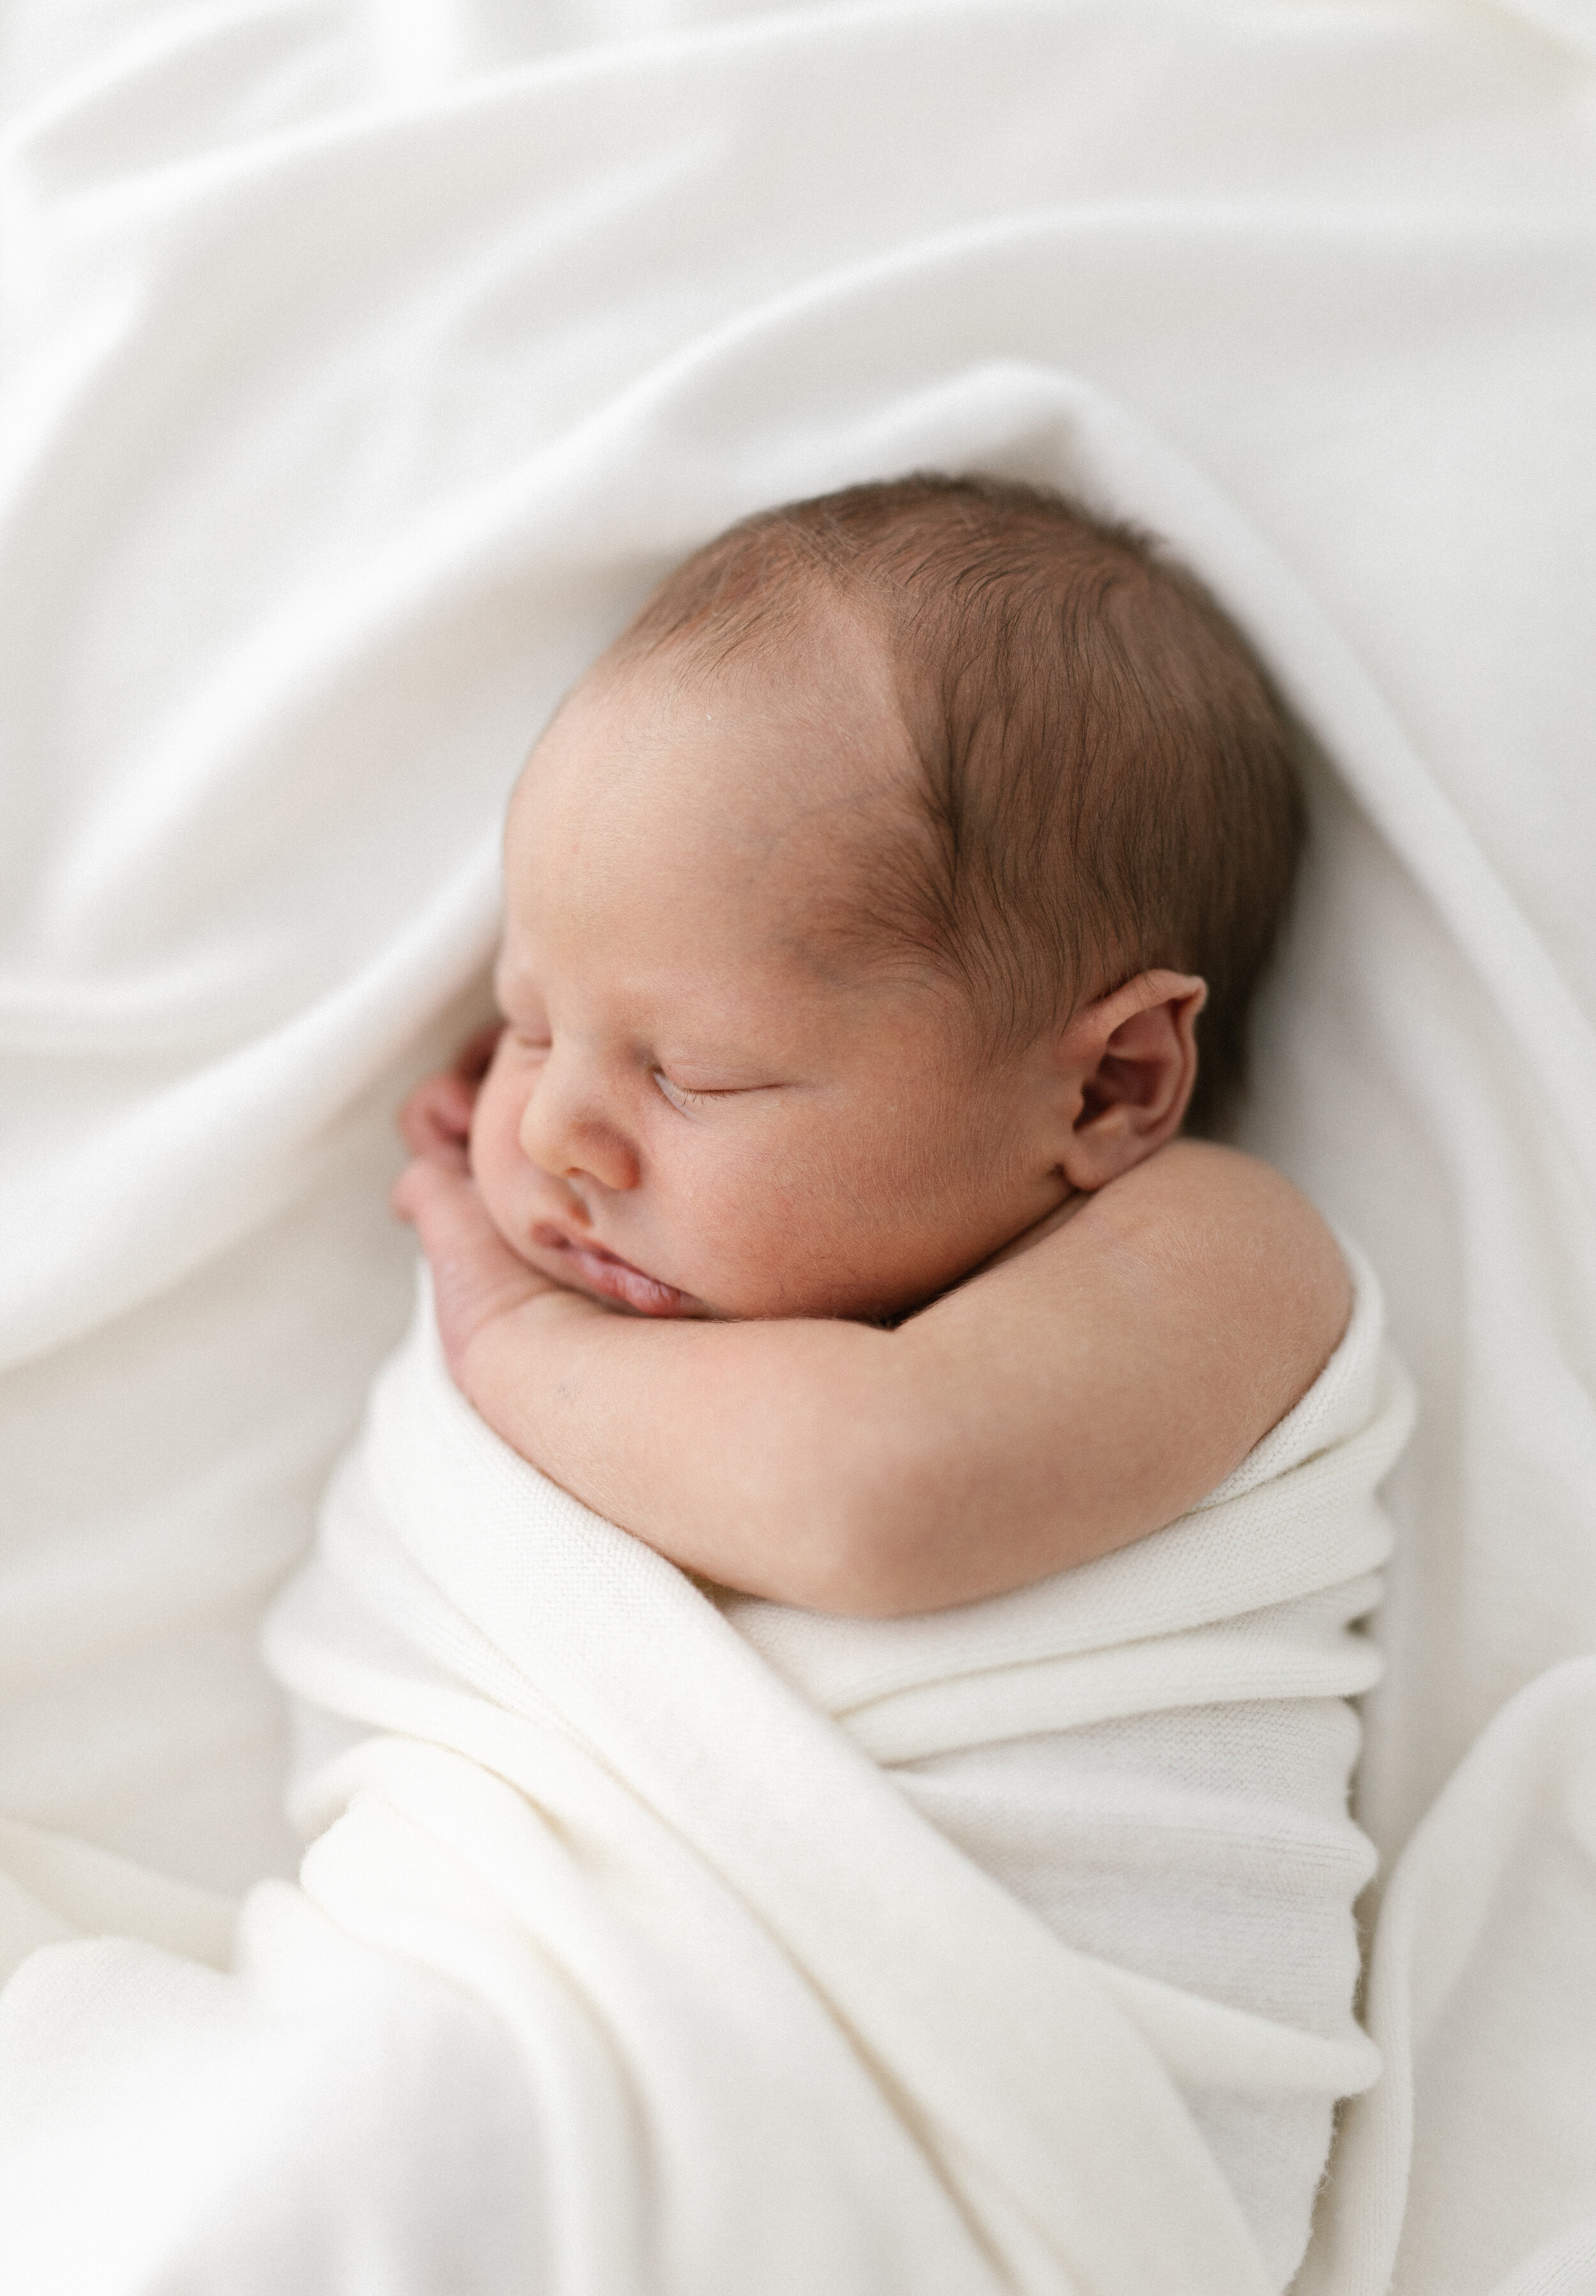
(366, 364)
(751, 1937)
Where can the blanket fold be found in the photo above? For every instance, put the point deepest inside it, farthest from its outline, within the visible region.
(728, 1871)
(364, 366)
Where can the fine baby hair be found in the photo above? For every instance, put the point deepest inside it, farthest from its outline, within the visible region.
(1107, 776)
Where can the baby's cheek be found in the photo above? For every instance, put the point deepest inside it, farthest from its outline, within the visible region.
(496, 1159)
(485, 1110)
(760, 1267)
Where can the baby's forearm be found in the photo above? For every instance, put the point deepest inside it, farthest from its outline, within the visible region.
(1050, 1410)
(757, 1455)
(779, 1458)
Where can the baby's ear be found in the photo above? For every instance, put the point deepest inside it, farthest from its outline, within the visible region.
(1129, 1065)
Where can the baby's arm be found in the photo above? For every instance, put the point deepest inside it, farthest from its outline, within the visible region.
(1063, 1403)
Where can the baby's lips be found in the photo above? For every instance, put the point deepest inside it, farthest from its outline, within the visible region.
(614, 1278)
(648, 1295)
(629, 1287)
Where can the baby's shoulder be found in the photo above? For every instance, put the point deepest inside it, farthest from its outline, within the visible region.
(1222, 1202)
(1220, 1244)
(1203, 1271)
(1131, 1352)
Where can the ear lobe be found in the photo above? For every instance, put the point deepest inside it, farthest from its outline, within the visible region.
(1133, 1059)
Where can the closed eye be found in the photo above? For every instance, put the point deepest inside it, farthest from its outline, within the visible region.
(680, 1096)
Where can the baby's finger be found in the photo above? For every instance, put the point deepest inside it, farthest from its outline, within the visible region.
(476, 1277)
(448, 1214)
(436, 1120)
(428, 1191)
(405, 1196)
(475, 1057)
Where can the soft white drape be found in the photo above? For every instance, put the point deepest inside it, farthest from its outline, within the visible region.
(364, 366)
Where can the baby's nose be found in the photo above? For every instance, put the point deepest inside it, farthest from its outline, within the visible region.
(566, 1131)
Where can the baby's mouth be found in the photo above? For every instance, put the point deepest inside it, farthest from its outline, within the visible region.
(612, 1279)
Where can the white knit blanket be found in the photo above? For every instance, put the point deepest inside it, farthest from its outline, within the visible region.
(779, 2028)
(363, 364)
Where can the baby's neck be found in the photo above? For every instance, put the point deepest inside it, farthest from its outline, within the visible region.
(1023, 1242)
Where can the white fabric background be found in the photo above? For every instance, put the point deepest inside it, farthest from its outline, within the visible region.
(364, 366)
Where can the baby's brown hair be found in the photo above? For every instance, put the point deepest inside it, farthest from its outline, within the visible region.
(1107, 775)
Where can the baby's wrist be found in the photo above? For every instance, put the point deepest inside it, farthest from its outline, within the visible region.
(554, 1300)
(503, 1367)
(534, 1314)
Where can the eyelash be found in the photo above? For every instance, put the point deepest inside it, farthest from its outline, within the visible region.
(679, 1096)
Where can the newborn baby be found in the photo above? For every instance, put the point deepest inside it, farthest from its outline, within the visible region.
(879, 909)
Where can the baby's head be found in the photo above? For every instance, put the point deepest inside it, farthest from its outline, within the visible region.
(862, 901)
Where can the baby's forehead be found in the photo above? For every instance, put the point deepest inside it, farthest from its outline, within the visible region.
(793, 723)
(762, 805)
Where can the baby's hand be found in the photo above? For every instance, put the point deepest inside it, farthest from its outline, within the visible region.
(435, 1123)
(476, 1277)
